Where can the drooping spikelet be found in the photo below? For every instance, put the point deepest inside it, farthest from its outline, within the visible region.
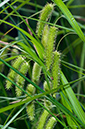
(36, 72)
(19, 79)
(50, 47)
(46, 12)
(30, 107)
(51, 123)
(46, 88)
(12, 74)
(43, 119)
(47, 103)
(56, 69)
(31, 110)
(18, 62)
(30, 89)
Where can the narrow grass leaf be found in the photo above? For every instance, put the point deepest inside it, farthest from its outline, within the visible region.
(75, 103)
(38, 46)
(70, 18)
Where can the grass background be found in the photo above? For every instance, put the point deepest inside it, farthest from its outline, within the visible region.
(71, 47)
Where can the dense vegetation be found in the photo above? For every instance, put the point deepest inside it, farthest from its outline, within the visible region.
(42, 64)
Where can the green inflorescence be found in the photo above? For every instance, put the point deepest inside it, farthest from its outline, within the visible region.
(56, 69)
(12, 74)
(30, 89)
(36, 72)
(46, 12)
(43, 119)
(20, 80)
(45, 36)
(51, 122)
(30, 107)
(52, 63)
(50, 47)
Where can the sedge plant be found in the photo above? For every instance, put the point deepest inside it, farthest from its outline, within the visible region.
(35, 69)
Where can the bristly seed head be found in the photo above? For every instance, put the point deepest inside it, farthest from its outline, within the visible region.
(50, 46)
(56, 69)
(36, 72)
(46, 12)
